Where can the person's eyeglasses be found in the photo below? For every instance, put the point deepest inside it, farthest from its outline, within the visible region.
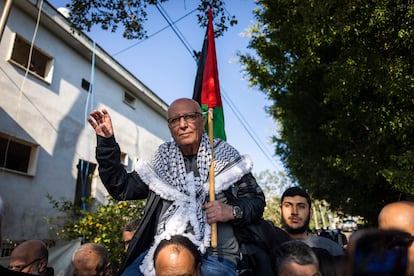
(19, 268)
(190, 117)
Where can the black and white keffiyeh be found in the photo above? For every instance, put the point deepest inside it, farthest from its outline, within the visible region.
(166, 175)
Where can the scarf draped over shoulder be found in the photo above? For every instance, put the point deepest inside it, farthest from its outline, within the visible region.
(166, 176)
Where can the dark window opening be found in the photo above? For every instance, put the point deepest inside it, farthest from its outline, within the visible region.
(129, 99)
(40, 63)
(84, 183)
(14, 155)
(86, 84)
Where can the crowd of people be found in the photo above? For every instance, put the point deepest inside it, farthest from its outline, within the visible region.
(185, 230)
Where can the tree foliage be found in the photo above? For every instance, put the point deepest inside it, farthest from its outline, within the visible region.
(272, 184)
(132, 14)
(101, 224)
(340, 78)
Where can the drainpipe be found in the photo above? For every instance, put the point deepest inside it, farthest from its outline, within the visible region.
(5, 16)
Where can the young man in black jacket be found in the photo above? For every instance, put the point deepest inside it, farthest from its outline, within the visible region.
(175, 183)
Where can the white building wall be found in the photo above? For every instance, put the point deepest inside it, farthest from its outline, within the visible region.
(53, 117)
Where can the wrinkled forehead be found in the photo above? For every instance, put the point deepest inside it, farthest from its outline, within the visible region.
(183, 106)
(18, 259)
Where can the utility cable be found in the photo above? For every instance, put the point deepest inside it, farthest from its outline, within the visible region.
(248, 128)
(29, 61)
(176, 31)
(153, 34)
(233, 108)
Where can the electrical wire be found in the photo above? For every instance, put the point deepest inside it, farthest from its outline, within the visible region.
(153, 34)
(177, 32)
(226, 98)
(247, 127)
(29, 61)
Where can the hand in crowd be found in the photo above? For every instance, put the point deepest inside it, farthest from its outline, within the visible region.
(101, 122)
(218, 212)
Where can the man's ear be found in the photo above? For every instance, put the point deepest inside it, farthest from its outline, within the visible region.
(108, 269)
(198, 269)
(42, 265)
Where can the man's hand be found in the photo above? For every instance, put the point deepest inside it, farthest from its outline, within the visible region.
(218, 212)
(101, 122)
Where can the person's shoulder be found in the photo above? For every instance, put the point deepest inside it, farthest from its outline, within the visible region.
(7, 272)
(333, 247)
(166, 145)
(222, 144)
(321, 240)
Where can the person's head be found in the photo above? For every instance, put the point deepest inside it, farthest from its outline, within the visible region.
(177, 256)
(296, 258)
(129, 230)
(328, 264)
(400, 216)
(91, 259)
(378, 252)
(31, 257)
(186, 124)
(295, 211)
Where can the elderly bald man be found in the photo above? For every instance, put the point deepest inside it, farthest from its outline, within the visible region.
(91, 259)
(400, 216)
(30, 257)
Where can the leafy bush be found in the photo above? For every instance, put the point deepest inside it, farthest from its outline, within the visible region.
(99, 223)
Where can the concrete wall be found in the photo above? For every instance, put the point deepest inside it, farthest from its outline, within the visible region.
(52, 116)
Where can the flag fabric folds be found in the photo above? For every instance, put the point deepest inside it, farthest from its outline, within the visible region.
(206, 86)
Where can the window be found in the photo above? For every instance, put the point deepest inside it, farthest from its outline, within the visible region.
(84, 183)
(41, 64)
(18, 155)
(129, 99)
(86, 84)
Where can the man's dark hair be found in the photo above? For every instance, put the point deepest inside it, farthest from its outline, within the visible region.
(296, 191)
(295, 251)
(132, 225)
(97, 249)
(180, 241)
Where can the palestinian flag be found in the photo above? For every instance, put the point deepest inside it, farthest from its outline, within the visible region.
(207, 87)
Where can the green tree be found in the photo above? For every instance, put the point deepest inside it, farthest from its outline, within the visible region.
(340, 78)
(273, 184)
(101, 224)
(131, 15)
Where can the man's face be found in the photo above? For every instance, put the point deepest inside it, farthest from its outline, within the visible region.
(186, 125)
(26, 266)
(295, 214)
(173, 262)
(127, 237)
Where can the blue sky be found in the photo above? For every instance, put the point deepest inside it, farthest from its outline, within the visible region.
(164, 64)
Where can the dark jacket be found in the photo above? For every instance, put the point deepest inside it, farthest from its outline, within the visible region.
(7, 272)
(122, 185)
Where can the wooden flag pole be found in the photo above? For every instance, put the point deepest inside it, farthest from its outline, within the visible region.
(212, 194)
